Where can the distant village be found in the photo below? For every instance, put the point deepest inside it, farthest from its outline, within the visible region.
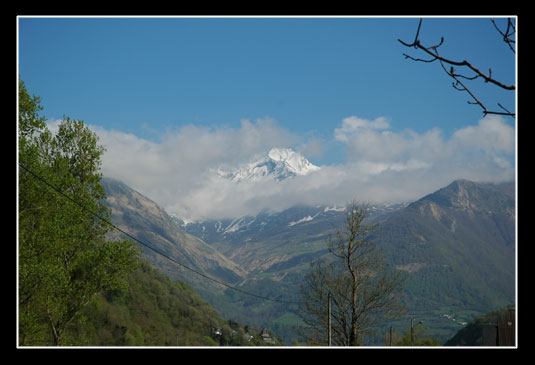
(264, 334)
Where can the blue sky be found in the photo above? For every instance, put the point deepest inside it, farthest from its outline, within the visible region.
(153, 78)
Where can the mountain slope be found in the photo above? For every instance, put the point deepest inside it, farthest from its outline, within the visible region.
(145, 220)
(154, 310)
(458, 245)
(286, 238)
(150, 312)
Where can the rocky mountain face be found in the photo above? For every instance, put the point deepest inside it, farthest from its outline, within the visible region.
(145, 220)
(458, 246)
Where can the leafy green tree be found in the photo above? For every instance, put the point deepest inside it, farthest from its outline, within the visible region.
(64, 258)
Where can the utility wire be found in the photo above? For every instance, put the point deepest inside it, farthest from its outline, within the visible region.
(145, 244)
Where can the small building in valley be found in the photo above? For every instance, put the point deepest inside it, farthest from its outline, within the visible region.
(266, 337)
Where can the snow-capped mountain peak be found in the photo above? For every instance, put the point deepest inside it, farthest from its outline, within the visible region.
(293, 161)
(279, 164)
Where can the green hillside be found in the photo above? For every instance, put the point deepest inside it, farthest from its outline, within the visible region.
(157, 311)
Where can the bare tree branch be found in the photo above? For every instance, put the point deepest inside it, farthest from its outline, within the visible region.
(458, 85)
(363, 288)
(507, 34)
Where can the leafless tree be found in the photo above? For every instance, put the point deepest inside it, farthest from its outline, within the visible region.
(464, 71)
(364, 290)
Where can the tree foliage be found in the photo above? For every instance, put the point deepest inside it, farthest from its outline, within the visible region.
(364, 290)
(154, 310)
(64, 258)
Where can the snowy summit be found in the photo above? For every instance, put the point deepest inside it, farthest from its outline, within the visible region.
(279, 164)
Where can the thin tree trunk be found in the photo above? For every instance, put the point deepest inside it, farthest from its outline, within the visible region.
(353, 337)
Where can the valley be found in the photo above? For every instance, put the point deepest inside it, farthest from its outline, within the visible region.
(457, 246)
(198, 180)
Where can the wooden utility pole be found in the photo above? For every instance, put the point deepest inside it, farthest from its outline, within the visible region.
(329, 318)
(412, 331)
(390, 336)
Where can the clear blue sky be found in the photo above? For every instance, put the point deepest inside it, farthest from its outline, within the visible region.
(149, 75)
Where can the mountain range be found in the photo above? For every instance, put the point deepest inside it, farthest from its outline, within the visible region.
(457, 246)
(269, 237)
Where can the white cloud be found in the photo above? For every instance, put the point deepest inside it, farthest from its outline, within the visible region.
(491, 134)
(489, 144)
(354, 124)
(381, 165)
(314, 147)
(176, 171)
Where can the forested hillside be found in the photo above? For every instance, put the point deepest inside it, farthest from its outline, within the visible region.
(157, 311)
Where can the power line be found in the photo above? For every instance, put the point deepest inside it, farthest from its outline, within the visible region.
(145, 244)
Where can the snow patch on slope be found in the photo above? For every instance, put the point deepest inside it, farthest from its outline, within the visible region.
(308, 218)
